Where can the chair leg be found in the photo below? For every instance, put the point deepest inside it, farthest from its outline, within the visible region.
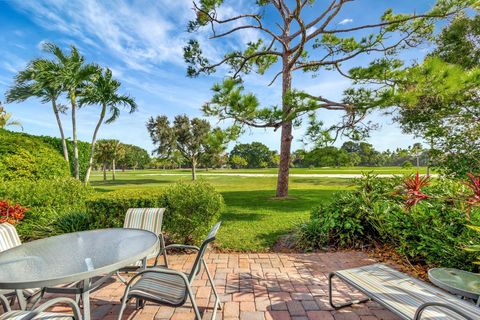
(217, 297)
(330, 295)
(122, 308)
(22, 302)
(194, 304)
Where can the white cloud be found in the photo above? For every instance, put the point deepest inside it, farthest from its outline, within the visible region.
(346, 21)
(141, 34)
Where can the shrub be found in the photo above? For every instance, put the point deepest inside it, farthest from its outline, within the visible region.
(27, 157)
(433, 231)
(46, 200)
(83, 152)
(107, 210)
(191, 208)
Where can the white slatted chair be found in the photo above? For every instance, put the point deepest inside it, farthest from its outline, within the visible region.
(39, 313)
(407, 297)
(149, 219)
(9, 239)
(171, 287)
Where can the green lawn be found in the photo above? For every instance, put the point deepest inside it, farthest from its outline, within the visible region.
(253, 220)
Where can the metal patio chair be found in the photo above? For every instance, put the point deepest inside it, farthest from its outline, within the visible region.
(39, 312)
(171, 287)
(149, 219)
(9, 239)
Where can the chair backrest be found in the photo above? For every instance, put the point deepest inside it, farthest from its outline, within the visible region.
(203, 248)
(8, 237)
(149, 219)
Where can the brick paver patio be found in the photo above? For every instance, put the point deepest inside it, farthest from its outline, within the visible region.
(257, 286)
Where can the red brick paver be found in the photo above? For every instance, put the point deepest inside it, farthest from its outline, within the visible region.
(267, 286)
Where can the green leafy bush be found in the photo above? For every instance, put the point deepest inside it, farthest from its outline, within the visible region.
(433, 232)
(27, 157)
(107, 210)
(191, 208)
(83, 152)
(47, 200)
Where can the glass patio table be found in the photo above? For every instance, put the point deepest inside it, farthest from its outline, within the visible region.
(461, 283)
(74, 257)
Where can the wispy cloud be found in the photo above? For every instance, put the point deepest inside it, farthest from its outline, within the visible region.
(141, 34)
(346, 21)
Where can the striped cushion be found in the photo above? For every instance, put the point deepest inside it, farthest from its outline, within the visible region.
(18, 315)
(149, 219)
(403, 294)
(144, 218)
(160, 287)
(8, 237)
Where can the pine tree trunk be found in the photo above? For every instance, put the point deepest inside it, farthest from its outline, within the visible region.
(74, 137)
(94, 140)
(60, 127)
(286, 135)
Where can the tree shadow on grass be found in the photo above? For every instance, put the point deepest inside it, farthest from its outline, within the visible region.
(263, 200)
(121, 182)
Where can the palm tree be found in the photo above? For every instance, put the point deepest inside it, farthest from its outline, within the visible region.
(103, 155)
(109, 151)
(5, 119)
(40, 79)
(74, 75)
(104, 91)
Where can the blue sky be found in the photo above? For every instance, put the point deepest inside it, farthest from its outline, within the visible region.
(141, 41)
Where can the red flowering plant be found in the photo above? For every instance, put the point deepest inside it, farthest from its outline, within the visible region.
(11, 213)
(474, 185)
(412, 190)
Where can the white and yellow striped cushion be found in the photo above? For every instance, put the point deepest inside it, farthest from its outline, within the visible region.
(19, 315)
(169, 288)
(8, 237)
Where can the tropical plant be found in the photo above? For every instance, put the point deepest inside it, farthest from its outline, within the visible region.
(5, 119)
(103, 90)
(412, 189)
(74, 75)
(40, 80)
(300, 36)
(11, 213)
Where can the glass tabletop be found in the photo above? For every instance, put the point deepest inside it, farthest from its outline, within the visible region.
(459, 282)
(73, 257)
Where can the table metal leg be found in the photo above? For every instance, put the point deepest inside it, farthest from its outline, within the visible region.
(86, 299)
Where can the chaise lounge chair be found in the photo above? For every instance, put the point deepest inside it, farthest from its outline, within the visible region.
(403, 295)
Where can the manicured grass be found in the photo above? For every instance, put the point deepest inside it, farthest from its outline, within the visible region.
(253, 219)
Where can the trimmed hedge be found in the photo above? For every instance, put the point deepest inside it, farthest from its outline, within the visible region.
(83, 152)
(191, 209)
(26, 157)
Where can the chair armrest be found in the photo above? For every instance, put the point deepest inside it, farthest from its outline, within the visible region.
(154, 270)
(421, 309)
(70, 302)
(182, 246)
(5, 303)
